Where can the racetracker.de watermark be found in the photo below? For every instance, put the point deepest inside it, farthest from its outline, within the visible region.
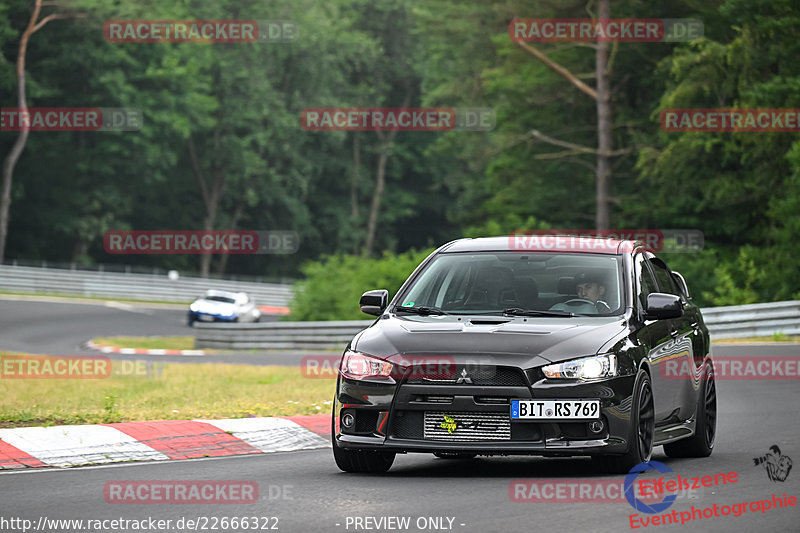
(655, 240)
(731, 120)
(432, 368)
(397, 119)
(734, 368)
(71, 119)
(589, 490)
(605, 30)
(200, 31)
(54, 367)
(200, 242)
(74, 367)
(181, 492)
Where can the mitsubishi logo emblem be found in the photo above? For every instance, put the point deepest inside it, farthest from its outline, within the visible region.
(463, 378)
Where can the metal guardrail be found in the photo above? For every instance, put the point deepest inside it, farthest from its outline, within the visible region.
(753, 320)
(132, 286)
(245, 336)
(723, 322)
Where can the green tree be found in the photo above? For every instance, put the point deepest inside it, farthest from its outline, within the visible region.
(740, 188)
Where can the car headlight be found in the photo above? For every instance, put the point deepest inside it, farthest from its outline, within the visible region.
(356, 365)
(193, 307)
(596, 366)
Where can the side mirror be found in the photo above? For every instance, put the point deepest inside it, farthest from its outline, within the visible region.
(374, 302)
(678, 277)
(661, 305)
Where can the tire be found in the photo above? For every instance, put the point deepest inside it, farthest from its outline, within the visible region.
(360, 461)
(640, 434)
(701, 444)
(190, 320)
(455, 455)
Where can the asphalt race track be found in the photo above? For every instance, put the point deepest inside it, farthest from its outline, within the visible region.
(310, 494)
(58, 328)
(307, 492)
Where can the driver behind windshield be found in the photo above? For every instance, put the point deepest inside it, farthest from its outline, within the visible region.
(590, 288)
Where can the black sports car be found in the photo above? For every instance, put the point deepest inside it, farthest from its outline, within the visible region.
(563, 348)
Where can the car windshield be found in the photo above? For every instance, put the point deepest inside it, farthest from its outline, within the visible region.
(222, 299)
(556, 284)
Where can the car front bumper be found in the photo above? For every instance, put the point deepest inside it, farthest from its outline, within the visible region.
(392, 416)
(210, 317)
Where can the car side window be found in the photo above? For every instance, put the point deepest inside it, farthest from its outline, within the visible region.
(644, 280)
(665, 281)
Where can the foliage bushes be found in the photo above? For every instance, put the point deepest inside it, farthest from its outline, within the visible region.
(334, 284)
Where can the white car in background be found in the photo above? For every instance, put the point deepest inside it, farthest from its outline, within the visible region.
(223, 306)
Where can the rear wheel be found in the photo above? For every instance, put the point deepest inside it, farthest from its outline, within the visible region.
(640, 435)
(701, 443)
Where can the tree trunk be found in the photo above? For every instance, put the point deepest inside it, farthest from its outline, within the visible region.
(602, 96)
(212, 195)
(377, 194)
(223, 259)
(380, 179)
(354, 181)
(79, 249)
(205, 259)
(354, 177)
(19, 145)
(604, 131)
(209, 220)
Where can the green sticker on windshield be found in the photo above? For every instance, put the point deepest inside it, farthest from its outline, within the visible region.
(408, 304)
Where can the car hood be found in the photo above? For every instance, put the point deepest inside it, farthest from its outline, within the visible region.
(517, 340)
(212, 307)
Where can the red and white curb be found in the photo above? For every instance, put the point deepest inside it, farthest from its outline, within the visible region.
(140, 351)
(64, 446)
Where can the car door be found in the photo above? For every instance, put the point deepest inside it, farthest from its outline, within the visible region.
(685, 332)
(655, 336)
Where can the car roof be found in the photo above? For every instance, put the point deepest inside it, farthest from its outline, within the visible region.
(522, 242)
(225, 294)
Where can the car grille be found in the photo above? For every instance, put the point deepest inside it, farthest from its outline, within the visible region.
(432, 398)
(467, 426)
(484, 376)
(407, 424)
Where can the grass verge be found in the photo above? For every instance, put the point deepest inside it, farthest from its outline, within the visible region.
(148, 343)
(35, 295)
(776, 337)
(154, 391)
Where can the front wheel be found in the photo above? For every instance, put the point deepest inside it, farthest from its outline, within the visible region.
(361, 461)
(640, 434)
(701, 444)
(358, 461)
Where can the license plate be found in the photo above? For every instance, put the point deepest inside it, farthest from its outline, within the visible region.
(555, 409)
(206, 318)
